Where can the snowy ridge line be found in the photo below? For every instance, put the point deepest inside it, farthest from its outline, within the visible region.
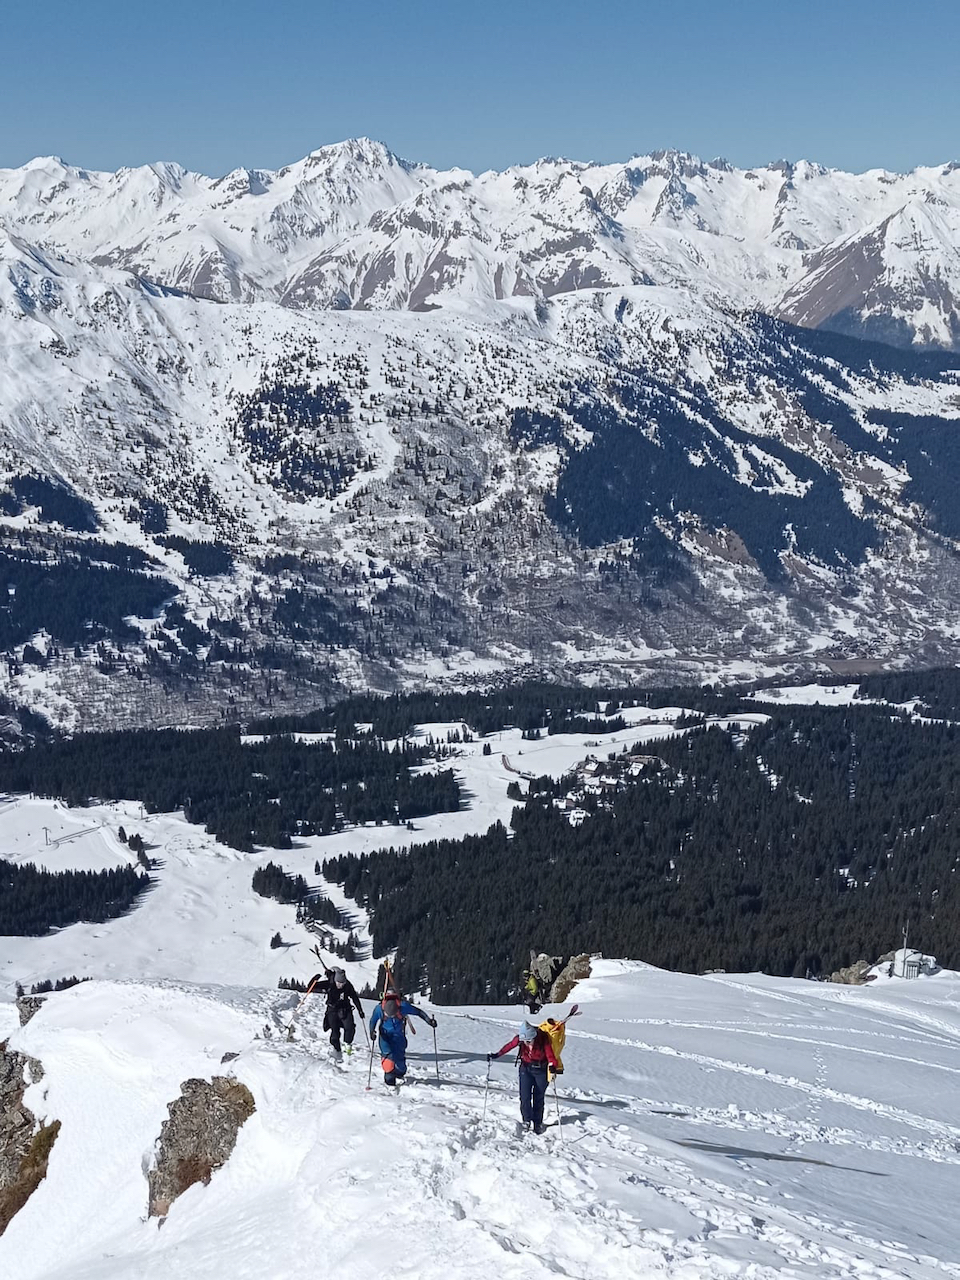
(723, 1180)
(437, 1178)
(673, 1182)
(577, 1104)
(353, 225)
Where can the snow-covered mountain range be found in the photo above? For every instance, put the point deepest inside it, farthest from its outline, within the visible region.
(358, 422)
(354, 226)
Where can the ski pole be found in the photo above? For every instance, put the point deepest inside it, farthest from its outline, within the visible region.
(298, 1008)
(556, 1098)
(486, 1090)
(436, 1056)
(370, 1072)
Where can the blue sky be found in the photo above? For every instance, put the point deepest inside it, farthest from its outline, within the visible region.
(216, 84)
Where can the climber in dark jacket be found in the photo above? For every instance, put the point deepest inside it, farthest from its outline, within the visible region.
(536, 1054)
(341, 1000)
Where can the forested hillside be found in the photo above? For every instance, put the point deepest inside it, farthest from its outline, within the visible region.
(795, 847)
(246, 793)
(34, 900)
(793, 839)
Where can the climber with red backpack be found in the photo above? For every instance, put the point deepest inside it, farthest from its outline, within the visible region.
(391, 1015)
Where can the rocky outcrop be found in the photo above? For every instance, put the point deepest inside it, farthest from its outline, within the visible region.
(557, 975)
(576, 968)
(197, 1139)
(24, 1146)
(545, 969)
(855, 975)
(27, 1006)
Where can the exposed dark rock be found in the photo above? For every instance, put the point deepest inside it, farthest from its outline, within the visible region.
(24, 1146)
(576, 968)
(198, 1138)
(855, 975)
(558, 975)
(27, 1006)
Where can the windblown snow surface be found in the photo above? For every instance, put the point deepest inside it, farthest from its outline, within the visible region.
(713, 1126)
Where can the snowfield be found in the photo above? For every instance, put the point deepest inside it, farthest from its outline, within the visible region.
(710, 1127)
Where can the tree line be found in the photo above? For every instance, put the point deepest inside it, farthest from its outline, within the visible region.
(245, 793)
(530, 705)
(33, 900)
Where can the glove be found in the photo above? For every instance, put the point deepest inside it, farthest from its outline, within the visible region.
(558, 1071)
(433, 1023)
(491, 1057)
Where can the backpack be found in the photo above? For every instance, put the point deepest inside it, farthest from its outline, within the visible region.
(556, 1033)
(390, 1007)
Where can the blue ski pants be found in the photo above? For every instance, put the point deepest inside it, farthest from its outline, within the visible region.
(394, 1047)
(533, 1089)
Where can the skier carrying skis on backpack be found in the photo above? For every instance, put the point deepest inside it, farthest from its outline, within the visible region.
(391, 1014)
(341, 1000)
(535, 1056)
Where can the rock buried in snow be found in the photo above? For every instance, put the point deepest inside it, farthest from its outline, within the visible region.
(855, 975)
(197, 1139)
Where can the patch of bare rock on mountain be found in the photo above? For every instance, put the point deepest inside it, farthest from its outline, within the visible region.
(197, 1139)
(25, 1143)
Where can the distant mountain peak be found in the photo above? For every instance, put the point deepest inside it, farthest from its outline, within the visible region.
(352, 224)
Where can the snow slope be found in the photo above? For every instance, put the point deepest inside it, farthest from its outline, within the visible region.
(454, 432)
(713, 1127)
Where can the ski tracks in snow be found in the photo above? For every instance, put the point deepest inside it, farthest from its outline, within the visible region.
(801, 1154)
(936, 1129)
(602, 1203)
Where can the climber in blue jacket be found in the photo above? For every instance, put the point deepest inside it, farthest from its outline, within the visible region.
(392, 1013)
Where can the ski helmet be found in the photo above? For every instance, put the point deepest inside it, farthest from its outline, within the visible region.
(528, 1032)
(339, 977)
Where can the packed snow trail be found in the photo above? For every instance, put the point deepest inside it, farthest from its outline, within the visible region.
(692, 1146)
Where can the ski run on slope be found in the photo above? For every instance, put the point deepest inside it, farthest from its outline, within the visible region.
(201, 917)
(712, 1126)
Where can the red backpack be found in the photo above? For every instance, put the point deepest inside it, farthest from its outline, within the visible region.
(390, 1005)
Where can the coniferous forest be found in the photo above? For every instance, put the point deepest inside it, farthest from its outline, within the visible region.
(245, 793)
(795, 846)
(33, 900)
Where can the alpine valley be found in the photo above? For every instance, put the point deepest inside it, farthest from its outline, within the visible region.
(358, 423)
